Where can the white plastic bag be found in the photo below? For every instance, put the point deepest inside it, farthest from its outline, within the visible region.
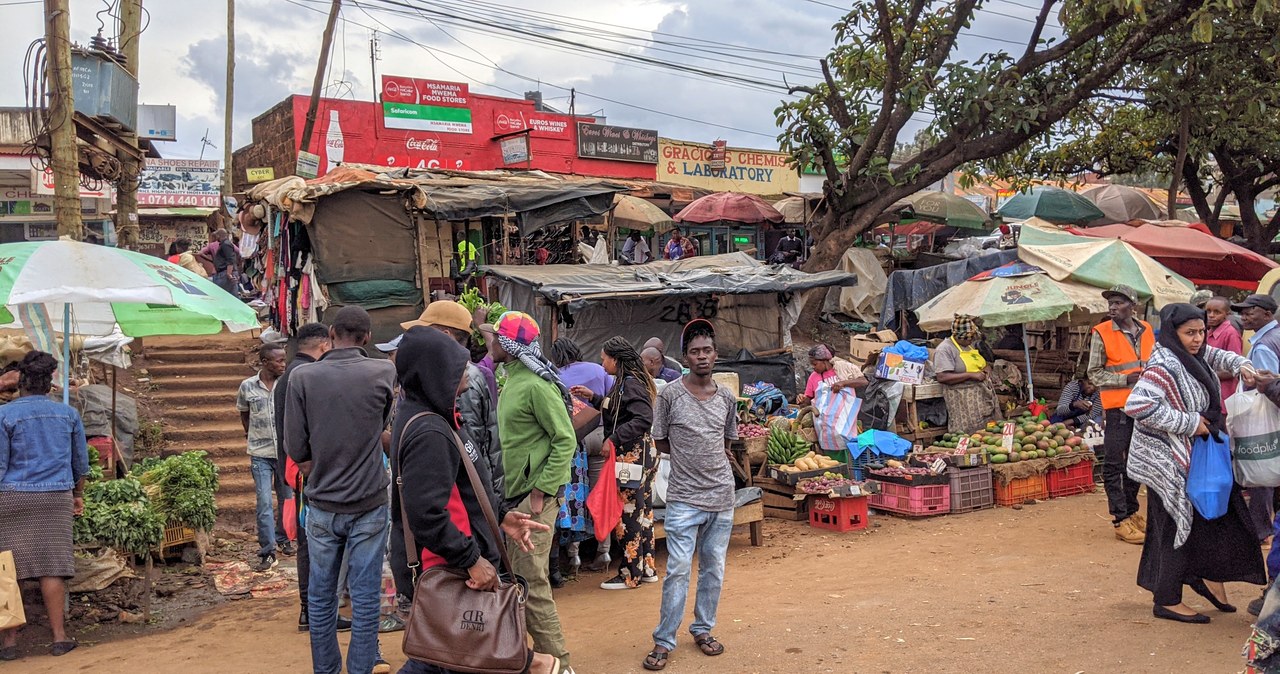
(661, 479)
(1254, 425)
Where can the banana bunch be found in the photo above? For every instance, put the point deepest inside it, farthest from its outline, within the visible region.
(785, 447)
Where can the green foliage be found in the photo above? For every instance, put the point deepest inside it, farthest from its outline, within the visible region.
(95, 465)
(118, 514)
(182, 488)
(150, 437)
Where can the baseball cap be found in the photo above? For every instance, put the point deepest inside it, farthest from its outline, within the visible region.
(388, 347)
(1264, 302)
(443, 312)
(696, 325)
(1123, 291)
(514, 325)
(272, 336)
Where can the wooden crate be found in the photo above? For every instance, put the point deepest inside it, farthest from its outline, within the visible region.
(779, 501)
(751, 514)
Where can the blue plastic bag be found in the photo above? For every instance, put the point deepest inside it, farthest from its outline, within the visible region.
(883, 442)
(1210, 478)
(909, 351)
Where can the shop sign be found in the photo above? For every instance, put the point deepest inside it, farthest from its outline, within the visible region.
(41, 231)
(719, 149)
(424, 92)
(260, 175)
(751, 171)
(619, 143)
(538, 124)
(180, 182)
(436, 118)
(26, 203)
(308, 164)
(42, 183)
(515, 150)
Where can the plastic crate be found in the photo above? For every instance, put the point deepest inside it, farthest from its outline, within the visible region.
(858, 465)
(1072, 480)
(971, 489)
(1021, 490)
(838, 514)
(912, 501)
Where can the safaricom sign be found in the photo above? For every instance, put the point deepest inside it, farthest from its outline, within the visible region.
(752, 171)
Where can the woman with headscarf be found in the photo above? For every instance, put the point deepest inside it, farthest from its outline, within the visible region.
(965, 378)
(628, 417)
(827, 368)
(1176, 399)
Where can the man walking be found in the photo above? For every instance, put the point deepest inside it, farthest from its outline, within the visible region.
(313, 342)
(1257, 312)
(538, 443)
(694, 421)
(336, 410)
(1118, 350)
(256, 402)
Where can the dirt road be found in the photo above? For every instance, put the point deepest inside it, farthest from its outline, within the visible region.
(1042, 589)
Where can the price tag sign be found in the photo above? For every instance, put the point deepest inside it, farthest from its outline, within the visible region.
(962, 445)
(1006, 439)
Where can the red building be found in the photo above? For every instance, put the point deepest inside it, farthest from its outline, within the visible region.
(428, 124)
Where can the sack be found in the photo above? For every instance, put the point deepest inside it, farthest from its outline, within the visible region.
(1209, 479)
(289, 518)
(661, 477)
(453, 626)
(1254, 424)
(11, 613)
(835, 417)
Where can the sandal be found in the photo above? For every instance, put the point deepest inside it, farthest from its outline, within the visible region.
(656, 660)
(9, 653)
(708, 644)
(62, 647)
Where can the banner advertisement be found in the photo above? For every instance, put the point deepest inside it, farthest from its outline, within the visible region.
(515, 150)
(424, 92)
(750, 171)
(436, 118)
(538, 124)
(180, 182)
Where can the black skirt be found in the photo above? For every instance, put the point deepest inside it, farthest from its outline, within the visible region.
(1223, 550)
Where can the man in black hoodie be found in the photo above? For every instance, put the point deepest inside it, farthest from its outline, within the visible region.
(440, 505)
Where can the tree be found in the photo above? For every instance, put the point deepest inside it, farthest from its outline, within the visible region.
(894, 59)
(1205, 115)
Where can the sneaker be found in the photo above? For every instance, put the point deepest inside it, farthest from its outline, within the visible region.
(1129, 533)
(390, 623)
(381, 667)
(1255, 606)
(288, 549)
(344, 624)
(651, 578)
(265, 563)
(615, 583)
(303, 624)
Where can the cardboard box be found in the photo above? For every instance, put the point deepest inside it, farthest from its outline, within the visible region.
(862, 346)
(895, 367)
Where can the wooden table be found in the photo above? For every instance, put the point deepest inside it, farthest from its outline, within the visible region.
(752, 513)
(912, 394)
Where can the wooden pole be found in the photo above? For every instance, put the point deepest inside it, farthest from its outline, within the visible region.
(127, 194)
(325, 44)
(227, 114)
(115, 444)
(64, 155)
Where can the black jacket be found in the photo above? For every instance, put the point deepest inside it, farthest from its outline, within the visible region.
(480, 420)
(425, 461)
(277, 393)
(628, 414)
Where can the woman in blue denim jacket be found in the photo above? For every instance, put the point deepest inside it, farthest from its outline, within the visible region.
(43, 461)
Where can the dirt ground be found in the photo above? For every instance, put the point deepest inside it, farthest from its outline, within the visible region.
(1042, 589)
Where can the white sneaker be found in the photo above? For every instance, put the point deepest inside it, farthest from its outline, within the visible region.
(615, 583)
(650, 579)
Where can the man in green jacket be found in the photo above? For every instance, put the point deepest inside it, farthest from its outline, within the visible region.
(538, 443)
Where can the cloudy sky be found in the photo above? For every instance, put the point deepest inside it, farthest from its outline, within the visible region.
(748, 47)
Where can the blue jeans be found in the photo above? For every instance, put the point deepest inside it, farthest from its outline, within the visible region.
(363, 536)
(268, 480)
(689, 528)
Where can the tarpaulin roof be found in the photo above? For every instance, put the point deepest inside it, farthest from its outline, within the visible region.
(731, 274)
(536, 199)
(909, 288)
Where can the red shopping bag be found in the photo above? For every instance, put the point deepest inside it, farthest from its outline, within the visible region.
(604, 502)
(289, 516)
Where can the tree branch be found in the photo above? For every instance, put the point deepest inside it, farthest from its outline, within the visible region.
(1034, 41)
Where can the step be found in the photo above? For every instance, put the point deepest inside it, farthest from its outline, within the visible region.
(165, 370)
(214, 412)
(220, 355)
(235, 483)
(179, 396)
(236, 510)
(201, 437)
(214, 384)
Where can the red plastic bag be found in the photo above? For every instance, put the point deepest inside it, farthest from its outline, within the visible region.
(604, 502)
(292, 474)
(289, 516)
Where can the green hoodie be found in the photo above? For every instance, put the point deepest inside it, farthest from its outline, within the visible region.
(537, 435)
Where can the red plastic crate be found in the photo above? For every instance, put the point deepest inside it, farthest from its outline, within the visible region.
(971, 489)
(1072, 480)
(843, 514)
(1021, 490)
(920, 501)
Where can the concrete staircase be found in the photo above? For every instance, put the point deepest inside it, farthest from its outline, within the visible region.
(196, 380)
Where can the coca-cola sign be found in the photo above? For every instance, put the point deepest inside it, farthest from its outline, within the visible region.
(424, 92)
(423, 145)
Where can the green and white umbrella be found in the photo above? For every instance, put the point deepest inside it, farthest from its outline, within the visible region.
(95, 288)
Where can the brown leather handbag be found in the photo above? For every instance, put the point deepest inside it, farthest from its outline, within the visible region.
(451, 625)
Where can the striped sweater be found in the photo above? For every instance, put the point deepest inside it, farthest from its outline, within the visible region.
(1165, 405)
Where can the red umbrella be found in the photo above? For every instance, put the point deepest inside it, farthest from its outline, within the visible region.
(729, 206)
(1203, 258)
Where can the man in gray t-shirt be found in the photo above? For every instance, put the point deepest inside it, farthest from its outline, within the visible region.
(693, 422)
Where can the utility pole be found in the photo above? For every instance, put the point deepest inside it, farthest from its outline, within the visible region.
(231, 78)
(325, 44)
(373, 64)
(127, 192)
(64, 155)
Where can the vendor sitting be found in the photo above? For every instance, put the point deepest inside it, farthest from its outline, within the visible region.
(838, 372)
(965, 378)
(1080, 402)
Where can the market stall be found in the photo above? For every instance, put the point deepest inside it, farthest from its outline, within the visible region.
(1201, 257)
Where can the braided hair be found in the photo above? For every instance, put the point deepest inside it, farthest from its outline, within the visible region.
(35, 373)
(629, 364)
(565, 351)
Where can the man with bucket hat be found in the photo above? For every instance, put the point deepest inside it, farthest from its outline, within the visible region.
(1119, 348)
(538, 443)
